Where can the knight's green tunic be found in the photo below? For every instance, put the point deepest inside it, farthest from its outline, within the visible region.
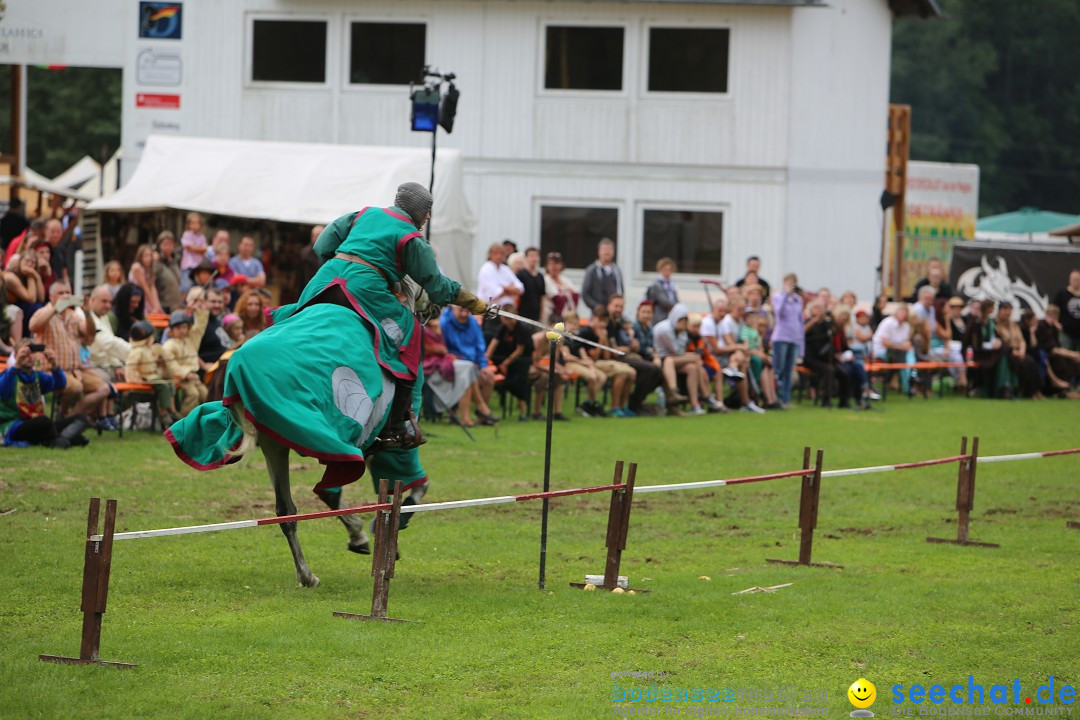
(318, 379)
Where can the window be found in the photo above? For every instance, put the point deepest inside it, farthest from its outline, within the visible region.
(688, 60)
(386, 53)
(575, 231)
(693, 239)
(289, 51)
(583, 58)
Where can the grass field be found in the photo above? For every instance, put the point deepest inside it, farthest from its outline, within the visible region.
(220, 629)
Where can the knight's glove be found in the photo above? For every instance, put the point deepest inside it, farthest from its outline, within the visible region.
(471, 303)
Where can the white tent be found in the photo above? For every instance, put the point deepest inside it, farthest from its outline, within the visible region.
(297, 182)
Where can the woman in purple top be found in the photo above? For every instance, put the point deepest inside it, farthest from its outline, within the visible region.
(788, 335)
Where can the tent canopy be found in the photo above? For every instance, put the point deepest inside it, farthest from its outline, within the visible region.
(296, 182)
(1026, 220)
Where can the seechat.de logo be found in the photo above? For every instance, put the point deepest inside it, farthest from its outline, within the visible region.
(862, 695)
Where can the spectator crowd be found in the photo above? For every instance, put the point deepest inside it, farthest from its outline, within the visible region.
(171, 321)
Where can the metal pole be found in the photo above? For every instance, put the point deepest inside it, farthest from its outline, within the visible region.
(554, 344)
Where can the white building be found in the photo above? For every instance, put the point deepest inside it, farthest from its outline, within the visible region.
(707, 131)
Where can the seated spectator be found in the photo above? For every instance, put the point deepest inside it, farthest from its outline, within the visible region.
(579, 363)
(710, 379)
(25, 292)
(200, 276)
(1068, 302)
(539, 377)
(1062, 365)
(848, 299)
(920, 353)
(63, 328)
(23, 244)
(847, 363)
(560, 292)
(233, 325)
(993, 372)
(114, 276)
(621, 332)
(23, 388)
(167, 275)
(252, 307)
(108, 352)
(510, 351)
(450, 378)
(643, 324)
(215, 340)
(622, 376)
(947, 342)
(860, 336)
(935, 280)
(142, 274)
(43, 255)
(754, 296)
(247, 268)
(721, 332)
(670, 343)
(181, 355)
(225, 278)
(1024, 372)
(877, 313)
(146, 364)
(127, 309)
(892, 342)
(752, 334)
(465, 340)
(663, 293)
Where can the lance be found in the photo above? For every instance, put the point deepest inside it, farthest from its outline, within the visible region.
(495, 311)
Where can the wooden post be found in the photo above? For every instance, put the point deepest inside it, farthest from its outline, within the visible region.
(384, 557)
(97, 562)
(965, 498)
(808, 513)
(618, 527)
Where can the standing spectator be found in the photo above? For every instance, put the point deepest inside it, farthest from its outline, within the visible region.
(671, 341)
(25, 241)
(181, 355)
(561, 292)
(60, 249)
(753, 268)
(662, 292)
(127, 309)
(142, 274)
(63, 328)
(497, 285)
(622, 376)
(511, 351)
(533, 285)
(788, 336)
(23, 421)
(167, 276)
(509, 247)
(246, 265)
(310, 262)
(13, 224)
(1068, 301)
(193, 242)
(215, 340)
(42, 251)
(603, 277)
(221, 238)
(108, 352)
(251, 308)
(820, 357)
(26, 291)
(935, 280)
(225, 278)
(464, 339)
(114, 276)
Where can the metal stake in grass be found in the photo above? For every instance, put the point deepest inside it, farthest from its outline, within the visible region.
(553, 343)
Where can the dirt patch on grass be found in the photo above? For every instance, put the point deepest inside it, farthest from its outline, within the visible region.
(1001, 511)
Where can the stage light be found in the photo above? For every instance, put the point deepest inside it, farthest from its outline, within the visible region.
(425, 109)
(449, 109)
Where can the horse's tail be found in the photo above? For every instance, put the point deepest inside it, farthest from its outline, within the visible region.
(246, 426)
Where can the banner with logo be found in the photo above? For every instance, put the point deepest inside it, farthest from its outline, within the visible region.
(1024, 275)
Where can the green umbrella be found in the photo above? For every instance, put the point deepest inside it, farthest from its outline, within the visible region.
(1026, 221)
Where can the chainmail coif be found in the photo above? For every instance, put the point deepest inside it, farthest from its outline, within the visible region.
(414, 199)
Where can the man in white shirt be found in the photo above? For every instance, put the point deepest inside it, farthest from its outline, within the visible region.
(924, 308)
(497, 284)
(108, 353)
(892, 340)
(720, 330)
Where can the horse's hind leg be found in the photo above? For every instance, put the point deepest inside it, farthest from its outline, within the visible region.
(277, 463)
(358, 539)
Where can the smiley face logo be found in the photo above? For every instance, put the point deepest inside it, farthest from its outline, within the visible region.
(862, 693)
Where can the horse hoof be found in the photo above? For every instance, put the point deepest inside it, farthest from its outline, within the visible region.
(313, 581)
(363, 548)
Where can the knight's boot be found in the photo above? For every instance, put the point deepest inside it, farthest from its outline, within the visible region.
(401, 431)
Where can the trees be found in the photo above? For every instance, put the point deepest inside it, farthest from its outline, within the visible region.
(997, 83)
(70, 113)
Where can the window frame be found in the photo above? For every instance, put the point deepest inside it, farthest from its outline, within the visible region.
(640, 209)
(541, 63)
(622, 238)
(347, 84)
(249, 52)
(696, 96)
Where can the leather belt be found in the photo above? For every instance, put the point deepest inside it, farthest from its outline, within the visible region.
(362, 261)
